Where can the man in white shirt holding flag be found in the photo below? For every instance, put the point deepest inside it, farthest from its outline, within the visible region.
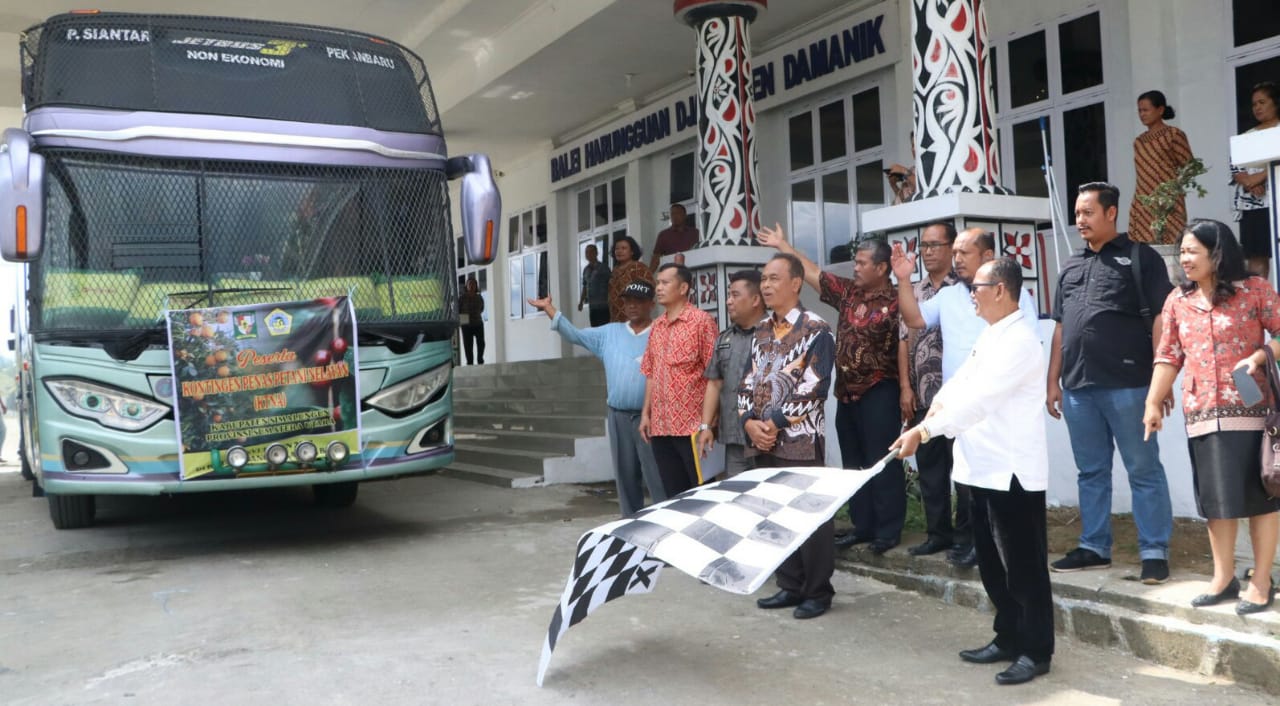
(992, 407)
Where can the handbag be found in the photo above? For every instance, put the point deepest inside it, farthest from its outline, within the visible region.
(1271, 430)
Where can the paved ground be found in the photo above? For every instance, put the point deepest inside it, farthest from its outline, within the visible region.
(438, 591)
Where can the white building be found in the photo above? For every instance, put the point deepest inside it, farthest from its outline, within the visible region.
(542, 86)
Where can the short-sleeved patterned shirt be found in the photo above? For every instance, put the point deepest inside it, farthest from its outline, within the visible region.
(674, 361)
(924, 348)
(1206, 343)
(866, 335)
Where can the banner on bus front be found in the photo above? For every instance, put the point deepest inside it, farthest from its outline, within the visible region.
(265, 388)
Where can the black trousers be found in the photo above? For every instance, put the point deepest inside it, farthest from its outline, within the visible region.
(866, 428)
(935, 459)
(1013, 557)
(599, 315)
(473, 335)
(807, 572)
(676, 465)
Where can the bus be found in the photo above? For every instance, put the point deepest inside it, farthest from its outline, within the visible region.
(238, 258)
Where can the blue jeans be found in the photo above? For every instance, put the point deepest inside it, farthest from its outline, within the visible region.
(1098, 421)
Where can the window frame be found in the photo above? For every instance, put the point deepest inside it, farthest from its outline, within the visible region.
(515, 260)
(1057, 105)
(600, 235)
(1236, 57)
(849, 163)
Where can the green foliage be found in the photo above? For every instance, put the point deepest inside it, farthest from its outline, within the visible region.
(1165, 198)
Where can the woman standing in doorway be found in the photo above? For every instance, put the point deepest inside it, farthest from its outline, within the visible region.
(1250, 203)
(1158, 154)
(1211, 325)
(627, 268)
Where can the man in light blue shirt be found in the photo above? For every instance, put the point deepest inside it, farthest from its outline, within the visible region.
(620, 346)
(952, 311)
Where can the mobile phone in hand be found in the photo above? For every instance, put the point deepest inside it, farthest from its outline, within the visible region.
(1250, 393)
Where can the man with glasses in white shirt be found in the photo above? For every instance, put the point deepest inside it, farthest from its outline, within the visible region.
(951, 312)
(991, 406)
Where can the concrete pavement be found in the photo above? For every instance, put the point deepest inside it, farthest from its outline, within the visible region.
(438, 591)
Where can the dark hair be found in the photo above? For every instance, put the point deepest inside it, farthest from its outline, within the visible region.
(636, 252)
(879, 249)
(751, 277)
(684, 273)
(1108, 194)
(1008, 272)
(1224, 253)
(797, 267)
(1157, 100)
(947, 227)
(1269, 88)
(680, 206)
(985, 240)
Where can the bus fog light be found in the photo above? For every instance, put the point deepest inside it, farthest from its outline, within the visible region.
(305, 452)
(337, 452)
(80, 458)
(237, 457)
(277, 454)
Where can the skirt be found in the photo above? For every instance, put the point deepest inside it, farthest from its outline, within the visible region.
(1226, 470)
(1255, 232)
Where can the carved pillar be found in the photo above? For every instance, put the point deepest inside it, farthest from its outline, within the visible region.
(729, 208)
(953, 98)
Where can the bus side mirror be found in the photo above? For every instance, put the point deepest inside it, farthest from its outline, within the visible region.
(481, 207)
(21, 197)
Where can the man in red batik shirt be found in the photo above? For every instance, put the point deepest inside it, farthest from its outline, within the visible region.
(680, 345)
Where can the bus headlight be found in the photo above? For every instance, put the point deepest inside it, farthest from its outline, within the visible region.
(277, 454)
(237, 457)
(108, 406)
(337, 453)
(410, 395)
(305, 452)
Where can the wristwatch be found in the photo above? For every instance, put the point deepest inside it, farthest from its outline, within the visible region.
(924, 433)
(704, 427)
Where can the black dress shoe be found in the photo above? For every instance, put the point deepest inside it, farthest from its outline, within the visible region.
(781, 599)
(1022, 671)
(929, 546)
(964, 560)
(1247, 607)
(848, 539)
(880, 546)
(1207, 599)
(811, 608)
(989, 654)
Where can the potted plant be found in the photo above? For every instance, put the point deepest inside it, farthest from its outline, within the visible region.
(1162, 202)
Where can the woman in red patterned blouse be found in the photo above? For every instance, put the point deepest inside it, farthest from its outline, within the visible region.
(1211, 325)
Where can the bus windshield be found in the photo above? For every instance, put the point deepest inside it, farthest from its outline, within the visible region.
(129, 236)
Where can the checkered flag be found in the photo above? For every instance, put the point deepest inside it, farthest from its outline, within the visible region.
(605, 568)
(731, 534)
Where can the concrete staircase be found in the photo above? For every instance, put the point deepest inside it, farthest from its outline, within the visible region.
(530, 423)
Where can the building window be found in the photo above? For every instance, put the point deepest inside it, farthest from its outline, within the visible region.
(602, 219)
(1256, 32)
(837, 162)
(1054, 79)
(527, 260)
(1254, 21)
(684, 186)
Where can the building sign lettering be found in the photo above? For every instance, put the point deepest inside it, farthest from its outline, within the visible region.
(782, 74)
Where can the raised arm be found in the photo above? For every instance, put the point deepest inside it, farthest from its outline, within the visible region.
(593, 339)
(776, 238)
(904, 266)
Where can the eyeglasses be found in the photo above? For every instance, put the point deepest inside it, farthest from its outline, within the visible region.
(973, 286)
(933, 246)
